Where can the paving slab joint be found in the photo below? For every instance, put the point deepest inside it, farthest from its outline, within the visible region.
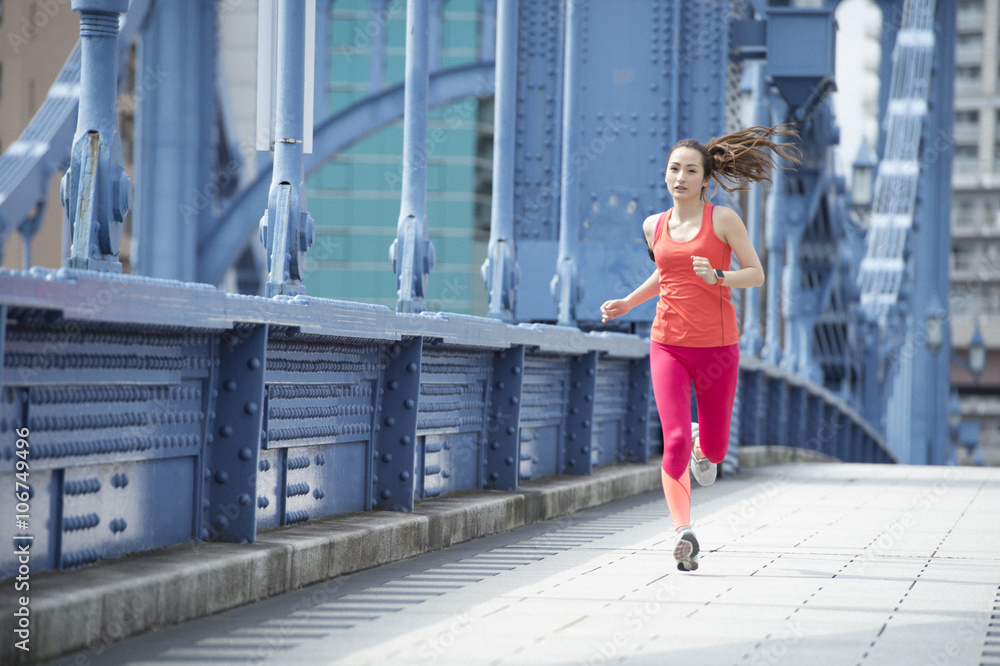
(89, 608)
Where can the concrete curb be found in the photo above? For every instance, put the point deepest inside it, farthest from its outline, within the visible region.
(90, 608)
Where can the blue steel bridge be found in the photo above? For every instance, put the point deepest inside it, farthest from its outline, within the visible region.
(157, 409)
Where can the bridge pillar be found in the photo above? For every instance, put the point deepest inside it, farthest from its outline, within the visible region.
(96, 191)
(287, 230)
(412, 253)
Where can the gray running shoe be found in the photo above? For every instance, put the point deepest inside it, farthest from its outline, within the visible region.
(686, 549)
(703, 470)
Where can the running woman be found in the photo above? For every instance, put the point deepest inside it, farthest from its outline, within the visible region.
(694, 337)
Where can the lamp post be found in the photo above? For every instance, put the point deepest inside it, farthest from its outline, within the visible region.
(977, 354)
(863, 176)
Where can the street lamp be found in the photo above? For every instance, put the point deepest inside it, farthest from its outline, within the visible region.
(863, 176)
(977, 354)
(935, 332)
(954, 414)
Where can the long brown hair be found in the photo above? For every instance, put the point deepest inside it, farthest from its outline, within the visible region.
(744, 156)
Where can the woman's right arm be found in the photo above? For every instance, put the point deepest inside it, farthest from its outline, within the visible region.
(618, 307)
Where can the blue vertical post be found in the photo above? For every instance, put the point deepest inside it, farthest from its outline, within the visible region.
(434, 35)
(564, 285)
(412, 253)
(96, 191)
(394, 481)
(232, 447)
(321, 73)
(578, 425)
(488, 30)
(751, 340)
(504, 418)
(176, 115)
(932, 246)
(500, 268)
(287, 230)
(378, 16)
(774, 239)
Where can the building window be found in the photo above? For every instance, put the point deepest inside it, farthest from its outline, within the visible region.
(968, 117)
(968, 74)
(965, 214)
(966, 159)
(971, 40)
(961, 256)
(974, 7)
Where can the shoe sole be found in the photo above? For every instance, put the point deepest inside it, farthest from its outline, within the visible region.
(686, 553)
(693, 464)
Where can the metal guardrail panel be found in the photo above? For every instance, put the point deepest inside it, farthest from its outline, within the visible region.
(168, 412)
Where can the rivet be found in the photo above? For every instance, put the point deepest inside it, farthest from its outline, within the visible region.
(499, 385)
(511, 430)
(495, 445)
(243, 499)
(386, 457)
(514, 400)
(254, 364)
(393, 385)
(409, 403)
(390, 421)
(495, 476)
(405, 440)
(510, 460)
(221, 523)
(386, 494)
(229, 385)
(411, 367)
(226, 431)
(221, 476)
(404, 476)
(250, 408)
(245, 453)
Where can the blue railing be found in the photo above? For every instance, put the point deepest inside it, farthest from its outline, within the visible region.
(158, 412)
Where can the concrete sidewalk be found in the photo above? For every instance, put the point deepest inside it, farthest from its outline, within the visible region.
(95, 606)
(801, 563)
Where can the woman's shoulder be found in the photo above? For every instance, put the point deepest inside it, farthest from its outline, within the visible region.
(650, 222)
(723, 215)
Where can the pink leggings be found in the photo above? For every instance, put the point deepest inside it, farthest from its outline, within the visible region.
(714, 371)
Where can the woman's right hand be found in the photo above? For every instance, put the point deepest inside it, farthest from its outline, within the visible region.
(616, 307)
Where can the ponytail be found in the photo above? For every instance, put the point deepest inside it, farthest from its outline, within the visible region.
(744, 156)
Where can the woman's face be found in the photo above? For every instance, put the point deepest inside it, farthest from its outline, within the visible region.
(685, 176)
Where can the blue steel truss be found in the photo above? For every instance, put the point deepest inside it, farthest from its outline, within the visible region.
(162, 411)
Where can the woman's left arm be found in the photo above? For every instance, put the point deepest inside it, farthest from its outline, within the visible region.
(733, 232)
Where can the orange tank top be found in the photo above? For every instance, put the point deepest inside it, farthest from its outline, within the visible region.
(691, 312)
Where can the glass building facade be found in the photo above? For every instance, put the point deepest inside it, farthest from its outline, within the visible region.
(355, 197)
